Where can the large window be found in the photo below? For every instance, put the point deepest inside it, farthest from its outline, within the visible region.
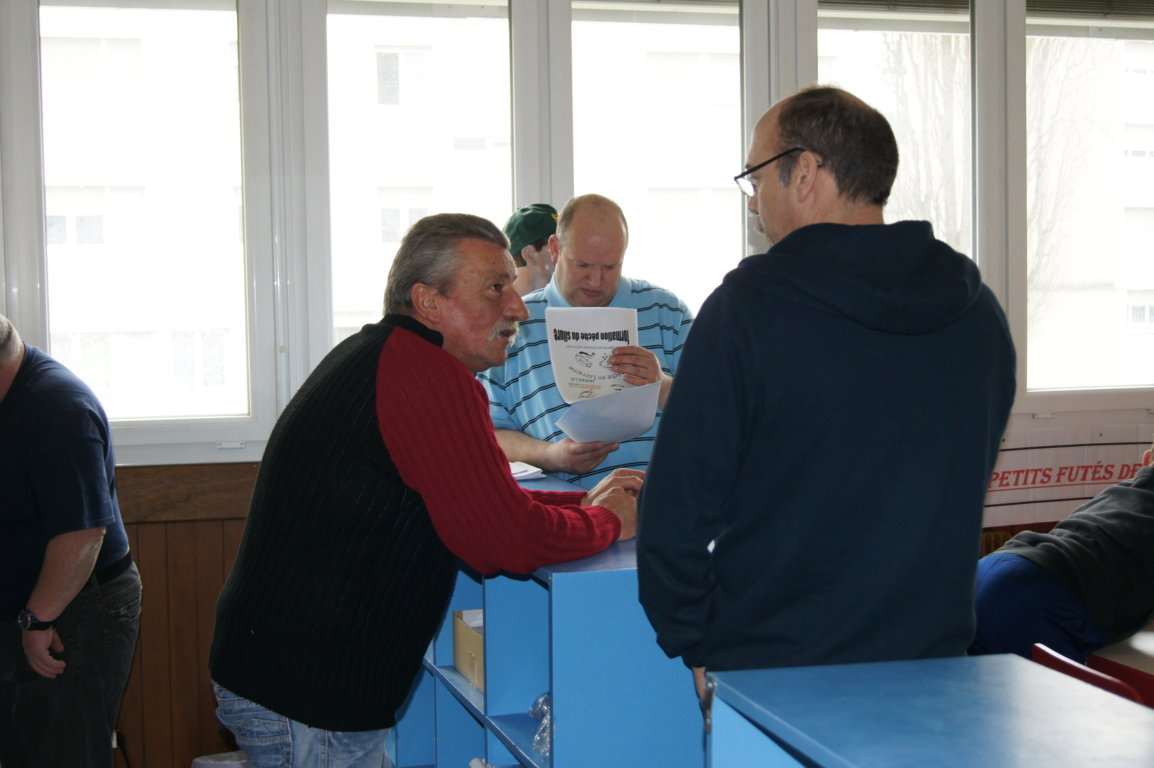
(914, 67)
(657, 127)
(200, 196)
(419, 123)
(1090, 207)
(145, 259)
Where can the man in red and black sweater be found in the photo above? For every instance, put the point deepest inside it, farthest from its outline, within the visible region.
(379, 476)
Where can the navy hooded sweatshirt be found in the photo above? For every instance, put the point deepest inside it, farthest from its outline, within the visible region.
(816, 489)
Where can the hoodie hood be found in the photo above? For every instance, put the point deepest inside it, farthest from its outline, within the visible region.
(894, 278)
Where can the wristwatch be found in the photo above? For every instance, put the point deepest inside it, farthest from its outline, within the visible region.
(29, 623)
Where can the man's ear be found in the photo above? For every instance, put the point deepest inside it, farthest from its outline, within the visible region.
(426, 303)
(1146, 457)
(805, 172)
(554, 248)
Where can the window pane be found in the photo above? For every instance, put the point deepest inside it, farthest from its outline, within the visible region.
(657, 127)
(418, 122)
(915, 70)
(1090, 203)
(146, 276)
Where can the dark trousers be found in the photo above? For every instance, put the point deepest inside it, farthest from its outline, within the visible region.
(1018, 603)
(68, 721)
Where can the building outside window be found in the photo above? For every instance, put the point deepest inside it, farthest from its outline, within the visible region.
(657, 128)
(914, 67)
(146, 278)
(419, 121)
(1090, 194)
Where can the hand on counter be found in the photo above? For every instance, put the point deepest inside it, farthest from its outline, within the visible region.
(617, 492)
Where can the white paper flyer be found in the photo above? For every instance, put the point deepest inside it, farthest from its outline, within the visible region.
(603, 406)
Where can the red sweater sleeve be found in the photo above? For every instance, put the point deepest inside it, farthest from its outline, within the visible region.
(434, 418)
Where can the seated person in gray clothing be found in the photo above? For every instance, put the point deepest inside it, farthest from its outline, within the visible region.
(1087, 583)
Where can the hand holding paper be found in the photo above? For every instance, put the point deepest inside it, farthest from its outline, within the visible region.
(639, 366)
(594, 355)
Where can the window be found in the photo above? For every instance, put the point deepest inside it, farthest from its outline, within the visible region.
(913, 67)
(388, 78)
(89, 230)
(1089, 209)
(1139, 143)
(390, 225)
(195, 284)
(657, 126)
(446, 79)
(1140, 311)
(146, 278)
(56, 229)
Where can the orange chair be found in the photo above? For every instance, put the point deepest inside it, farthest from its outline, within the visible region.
(1054, 660)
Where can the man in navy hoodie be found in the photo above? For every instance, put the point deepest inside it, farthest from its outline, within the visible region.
(826, 505)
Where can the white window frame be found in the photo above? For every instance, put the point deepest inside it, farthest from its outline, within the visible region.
(284, 119)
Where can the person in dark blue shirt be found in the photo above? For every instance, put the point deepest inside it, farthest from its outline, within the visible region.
(69, 592)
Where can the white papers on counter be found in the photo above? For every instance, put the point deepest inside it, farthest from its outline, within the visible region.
(522, 471)
(603, 407)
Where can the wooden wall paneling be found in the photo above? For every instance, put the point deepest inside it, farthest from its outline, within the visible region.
(183, 639)
(178, 493)
(184, 524)
(152, 650)
(209, 578)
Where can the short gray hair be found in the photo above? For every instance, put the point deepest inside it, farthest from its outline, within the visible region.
(428, 254)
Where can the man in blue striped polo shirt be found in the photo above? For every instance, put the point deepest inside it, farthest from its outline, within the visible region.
(588, 250)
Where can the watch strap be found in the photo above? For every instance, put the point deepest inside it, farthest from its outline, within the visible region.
(29, 623)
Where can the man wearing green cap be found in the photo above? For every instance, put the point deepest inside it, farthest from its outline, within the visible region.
(528, 230)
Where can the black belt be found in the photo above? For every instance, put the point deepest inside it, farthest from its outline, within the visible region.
(112, 570)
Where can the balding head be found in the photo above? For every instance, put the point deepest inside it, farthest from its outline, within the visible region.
(11, 355)
(10, 344)
(835, 159)
(588, 249)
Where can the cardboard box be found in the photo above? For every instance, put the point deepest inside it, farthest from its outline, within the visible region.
(469, 646)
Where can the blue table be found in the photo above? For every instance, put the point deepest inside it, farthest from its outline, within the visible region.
(980, 711)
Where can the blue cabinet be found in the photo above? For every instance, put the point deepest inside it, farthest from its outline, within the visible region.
(978, 711)
(577, 631)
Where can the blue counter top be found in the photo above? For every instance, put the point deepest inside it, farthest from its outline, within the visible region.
(621, 556)
(976, 711)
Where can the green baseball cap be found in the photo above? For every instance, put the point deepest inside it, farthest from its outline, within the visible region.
(529, 224)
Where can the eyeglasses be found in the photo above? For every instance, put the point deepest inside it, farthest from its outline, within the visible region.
(747, 185)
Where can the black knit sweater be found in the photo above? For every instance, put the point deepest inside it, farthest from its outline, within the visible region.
(385, 454)
(298, 628)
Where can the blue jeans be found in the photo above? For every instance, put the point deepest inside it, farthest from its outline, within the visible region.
(1018, 603)
(270, 740)
(68, 721)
